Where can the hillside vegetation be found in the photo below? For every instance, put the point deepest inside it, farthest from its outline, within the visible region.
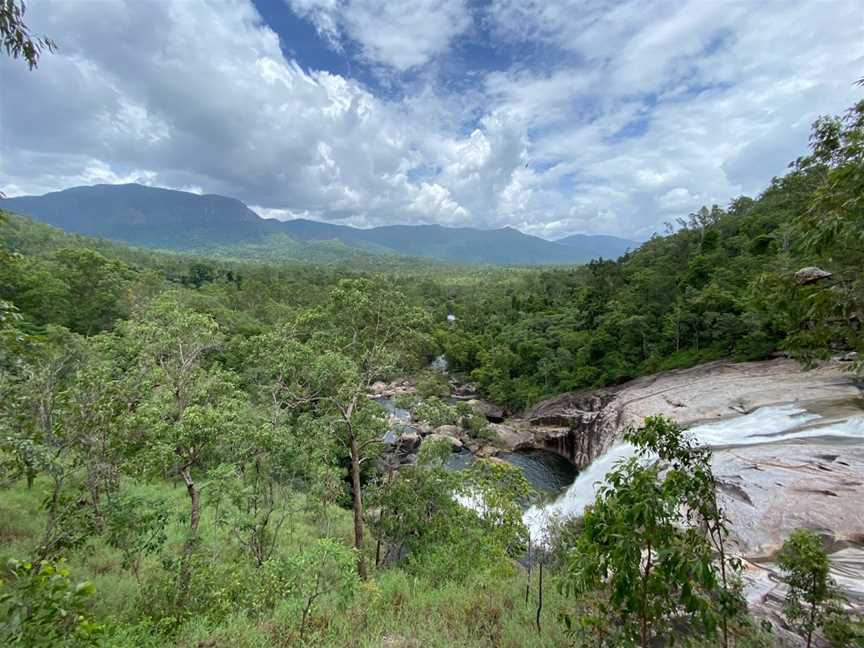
(188, 448)
(219, 226)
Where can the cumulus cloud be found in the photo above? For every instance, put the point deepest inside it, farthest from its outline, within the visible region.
(401, 35)
(626, 116)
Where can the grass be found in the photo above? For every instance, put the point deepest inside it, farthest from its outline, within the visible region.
(394, 609)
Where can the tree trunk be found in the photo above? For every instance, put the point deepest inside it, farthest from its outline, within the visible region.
(191, 539)
(357, 504)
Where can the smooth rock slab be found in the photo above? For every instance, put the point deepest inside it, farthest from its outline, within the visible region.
(769, 491)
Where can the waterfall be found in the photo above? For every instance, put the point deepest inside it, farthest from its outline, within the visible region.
(764, 425)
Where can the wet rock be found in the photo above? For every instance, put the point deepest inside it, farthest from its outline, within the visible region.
(811, 274)
(409, 441)
(496, 460)
(583, 425)
(484, 451)
(825, 497)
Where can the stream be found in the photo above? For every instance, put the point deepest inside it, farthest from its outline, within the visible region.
(547, 472)
(766, 425)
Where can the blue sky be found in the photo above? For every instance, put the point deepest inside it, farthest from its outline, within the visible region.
(553, 116)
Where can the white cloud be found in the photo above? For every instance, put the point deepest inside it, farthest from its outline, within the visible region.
(630, 115)
(401, 35)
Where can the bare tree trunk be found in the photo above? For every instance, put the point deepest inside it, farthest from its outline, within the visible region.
(358, 504)
(540, 597)
(192, 539)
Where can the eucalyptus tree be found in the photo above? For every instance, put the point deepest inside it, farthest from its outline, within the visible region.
(193, 416)
(364, 332)
(16, 37)
(438, 517)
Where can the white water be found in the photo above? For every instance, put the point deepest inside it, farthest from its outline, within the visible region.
(765, 425)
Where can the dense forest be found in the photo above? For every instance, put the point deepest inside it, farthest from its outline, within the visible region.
(188, 449)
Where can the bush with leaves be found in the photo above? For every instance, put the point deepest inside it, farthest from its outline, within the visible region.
(436, 412)
(41, 606)
(643, 563)
(433, 383)
(300, 579)
(813, 601)
(439, 517)
(136, 526)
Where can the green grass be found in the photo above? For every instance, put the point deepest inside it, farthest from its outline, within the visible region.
(393, 609)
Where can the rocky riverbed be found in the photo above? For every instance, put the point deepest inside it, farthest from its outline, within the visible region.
(788, 453)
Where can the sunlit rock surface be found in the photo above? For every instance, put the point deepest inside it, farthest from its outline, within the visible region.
(583, 425)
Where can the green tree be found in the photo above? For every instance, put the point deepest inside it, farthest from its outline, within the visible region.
(812, 597)
(40, 606)
(193, 415)
(17, 38)
(643, 560)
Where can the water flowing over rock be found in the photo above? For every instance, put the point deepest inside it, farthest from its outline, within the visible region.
(454, 442)
(583, 425)
(788, 454)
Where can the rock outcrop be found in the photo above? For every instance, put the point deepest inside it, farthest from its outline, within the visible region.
(492, 412)
(583, 425)
(811, 274)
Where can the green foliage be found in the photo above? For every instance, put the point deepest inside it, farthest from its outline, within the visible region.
(136, 526)
(16, 38)
(298, 581)
(642, 562)
(41, 606)
(420, 517)
(436, 412)
(191, 431)
(813, 601)
(433, 384)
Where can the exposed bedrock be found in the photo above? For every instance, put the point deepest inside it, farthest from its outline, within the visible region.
(582, 425)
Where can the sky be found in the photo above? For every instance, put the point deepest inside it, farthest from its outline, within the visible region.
(553, 116)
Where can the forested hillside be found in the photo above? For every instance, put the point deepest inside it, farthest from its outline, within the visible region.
(218, 226)
(724, 285)
(195, 437)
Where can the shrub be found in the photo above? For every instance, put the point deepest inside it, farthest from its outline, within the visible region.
(41, 606)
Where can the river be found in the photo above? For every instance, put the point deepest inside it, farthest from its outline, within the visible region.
(766, 425)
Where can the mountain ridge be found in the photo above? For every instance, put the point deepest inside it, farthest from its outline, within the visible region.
(178, 220)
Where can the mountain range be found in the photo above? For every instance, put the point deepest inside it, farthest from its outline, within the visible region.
(178, 220)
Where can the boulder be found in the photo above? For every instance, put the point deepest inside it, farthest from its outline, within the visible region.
(496, 460)
(582, 425)
(493, 413)
(513, 438)
(485, 451)
(409, 441)
(810, 274)
(379, 387)
(455, 444)
(449, 430)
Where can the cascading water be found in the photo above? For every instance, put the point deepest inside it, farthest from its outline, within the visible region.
(763, 426)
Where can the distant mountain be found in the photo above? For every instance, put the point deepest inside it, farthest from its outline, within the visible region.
(168, 219)
(142, 215)
(595, 246)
